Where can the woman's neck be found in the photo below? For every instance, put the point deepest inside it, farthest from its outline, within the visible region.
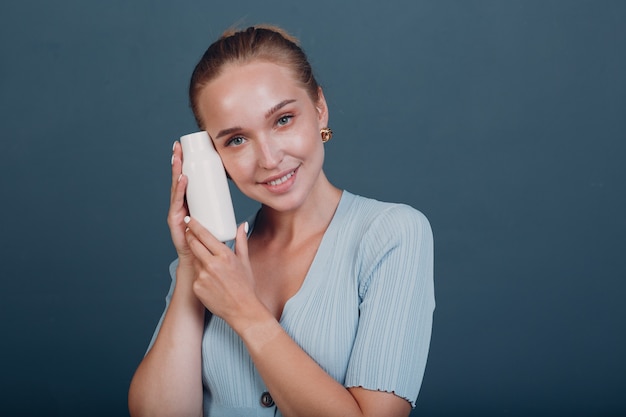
(309, 219)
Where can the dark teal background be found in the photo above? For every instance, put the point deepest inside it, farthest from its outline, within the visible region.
(503, 121)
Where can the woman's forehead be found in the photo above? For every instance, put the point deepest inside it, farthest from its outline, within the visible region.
(256, 85)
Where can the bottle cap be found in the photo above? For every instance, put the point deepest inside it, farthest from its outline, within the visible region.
(196, 142)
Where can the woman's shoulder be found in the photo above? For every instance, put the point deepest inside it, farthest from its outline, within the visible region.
(395, 235)
(373, 212)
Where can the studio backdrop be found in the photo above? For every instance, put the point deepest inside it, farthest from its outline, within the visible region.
(503, 121)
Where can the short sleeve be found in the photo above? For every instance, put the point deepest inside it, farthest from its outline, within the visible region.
(168, 298)
(397, 302)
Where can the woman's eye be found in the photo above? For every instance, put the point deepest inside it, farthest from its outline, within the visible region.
(236, 141)
(282, 121)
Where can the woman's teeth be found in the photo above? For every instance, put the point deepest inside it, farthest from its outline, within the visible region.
(281, 180)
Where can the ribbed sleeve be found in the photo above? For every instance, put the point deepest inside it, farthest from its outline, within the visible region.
(397, 303)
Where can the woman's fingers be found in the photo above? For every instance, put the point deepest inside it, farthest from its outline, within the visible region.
(205, 237)
(241, 241)
(177, 174)
(178, 207)
(224, 281)
(177, 202)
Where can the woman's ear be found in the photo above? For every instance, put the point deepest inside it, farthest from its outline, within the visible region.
(322, 108)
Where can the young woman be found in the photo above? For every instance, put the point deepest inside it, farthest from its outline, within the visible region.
(323, 304)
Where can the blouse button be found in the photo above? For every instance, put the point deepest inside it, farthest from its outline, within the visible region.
(266, 400)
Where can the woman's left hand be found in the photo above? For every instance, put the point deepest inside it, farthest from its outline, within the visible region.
(224, 282)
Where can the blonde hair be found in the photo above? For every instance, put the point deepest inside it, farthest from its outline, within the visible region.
(262, 42)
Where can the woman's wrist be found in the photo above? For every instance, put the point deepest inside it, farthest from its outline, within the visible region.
(257, 329)
(185, 276)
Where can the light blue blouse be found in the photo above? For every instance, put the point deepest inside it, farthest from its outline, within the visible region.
(363, 313)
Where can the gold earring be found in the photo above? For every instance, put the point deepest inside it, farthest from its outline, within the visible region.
(326, 133)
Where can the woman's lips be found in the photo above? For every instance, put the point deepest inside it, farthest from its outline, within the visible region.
(282, 179)
(281, 183)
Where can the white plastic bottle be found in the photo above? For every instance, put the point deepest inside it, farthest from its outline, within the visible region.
(208, 196)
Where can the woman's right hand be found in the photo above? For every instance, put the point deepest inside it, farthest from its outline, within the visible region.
(178, 208)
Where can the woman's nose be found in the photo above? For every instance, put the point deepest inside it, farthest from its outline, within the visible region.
(270, 153)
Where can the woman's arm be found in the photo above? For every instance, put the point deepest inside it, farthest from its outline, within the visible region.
(168, 381)
(298, 385)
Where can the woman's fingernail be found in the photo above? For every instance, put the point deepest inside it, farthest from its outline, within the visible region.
(174, 146)
(179, 177)
(172, 161)
(246, 227)
(187, 219)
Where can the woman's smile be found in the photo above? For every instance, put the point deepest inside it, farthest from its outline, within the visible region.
(282, 182)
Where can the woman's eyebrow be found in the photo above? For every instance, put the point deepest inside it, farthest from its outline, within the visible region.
(227, 131)
(278, 107)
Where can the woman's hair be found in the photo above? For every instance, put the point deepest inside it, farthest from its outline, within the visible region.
(256, 43)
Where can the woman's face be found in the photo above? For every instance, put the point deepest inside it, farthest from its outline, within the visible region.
(266, 129)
